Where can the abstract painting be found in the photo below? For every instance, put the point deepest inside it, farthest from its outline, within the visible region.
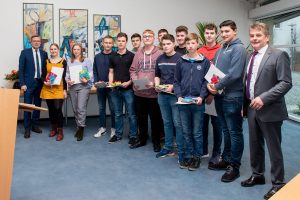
(73, 29)
(38, 20)
(105, 25)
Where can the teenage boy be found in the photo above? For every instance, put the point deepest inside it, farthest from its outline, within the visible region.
(164, 75)
(136, 42)
(268, 79)
(209, 50)
(230, 59)
(161, 33)
(119, 71)
(190, 83)
(143, 66)
(181, 33)
(100, 69)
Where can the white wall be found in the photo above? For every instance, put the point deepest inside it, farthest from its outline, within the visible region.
(136, 15)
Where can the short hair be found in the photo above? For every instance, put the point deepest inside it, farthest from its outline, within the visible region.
(149, 31)
(162, 31)
(261, 27)
(228, 23)
(34, 36)
(107, 37)
(168, 37)
(192, 36)
(211, 26)
(136, 35)
(182, 29)
(121, 34)
(54, 44)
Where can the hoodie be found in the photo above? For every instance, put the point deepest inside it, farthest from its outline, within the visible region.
(189, 77)
(143, 66)
(231, 60)
(209, 52)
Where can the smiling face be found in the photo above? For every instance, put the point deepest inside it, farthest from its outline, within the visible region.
(148, 39)
(258, 39)
(210, 36)
(180, 38)
(36, 42)
(54, 51)
(77, 51)
(228, 34)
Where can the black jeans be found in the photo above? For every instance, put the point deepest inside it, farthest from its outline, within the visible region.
(55, 111)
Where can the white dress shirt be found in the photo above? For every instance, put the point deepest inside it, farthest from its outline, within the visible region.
(34, 57)
(256, 64)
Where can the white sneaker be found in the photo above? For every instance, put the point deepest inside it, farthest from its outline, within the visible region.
(205, 156)
(112, 132)
(101, 131)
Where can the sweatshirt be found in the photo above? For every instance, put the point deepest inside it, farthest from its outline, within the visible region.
(101, 66)
(209, 52)
(143, 66)
(189, 77)
(231, 60)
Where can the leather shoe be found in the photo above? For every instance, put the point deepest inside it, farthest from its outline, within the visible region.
(36, 129)
(272, 191)
(138, 144)
(27, 134)
(253, 180)
(156, 148)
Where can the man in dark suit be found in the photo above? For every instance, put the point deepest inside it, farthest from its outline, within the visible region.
(31, 63)
(268, 79)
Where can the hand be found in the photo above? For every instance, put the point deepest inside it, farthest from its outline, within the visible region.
(126, 84)
(65, 94)
(209, 99)
(70, 83)
(180, 99)
(211, 88)
(83, 80)
(256, 103)
(150, 85)
(24, 88)
(169, 88)
(198, 100)
(48, 83)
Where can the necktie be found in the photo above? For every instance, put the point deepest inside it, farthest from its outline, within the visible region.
(249, 75)
(38, 73)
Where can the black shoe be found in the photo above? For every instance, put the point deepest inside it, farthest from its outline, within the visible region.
(221, 165)
(131, 141)
(231, 174)
(80, 133)
(156, 147)
(114, 139)
(27, 134)
(272, 191)
(36, 129)
(138, 144)
(185, 163)
(76, 134)
(253, 180)
(195, 164)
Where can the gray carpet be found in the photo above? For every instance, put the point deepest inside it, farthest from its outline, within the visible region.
(93, 170)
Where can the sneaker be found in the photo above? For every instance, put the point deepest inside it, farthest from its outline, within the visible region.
(112, 132)
(205, 156)
(131, 141)
(231, 174)
(101, 132)
(195, 164)
(185, 163)
(114, 139)
(221, 165)
(164, 153)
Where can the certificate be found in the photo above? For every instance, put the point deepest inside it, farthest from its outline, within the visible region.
(141, 83)
(74, 73)
(210, 109)
(59, 72)
(214, 74)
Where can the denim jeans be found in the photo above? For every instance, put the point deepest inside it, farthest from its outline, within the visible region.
(229, 113)
(192, 119)
(103, 95)
(171, 118)
(119, 98)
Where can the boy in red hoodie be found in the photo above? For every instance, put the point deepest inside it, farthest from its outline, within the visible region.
(209, 51)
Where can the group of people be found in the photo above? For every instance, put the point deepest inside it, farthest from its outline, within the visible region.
(254, 86)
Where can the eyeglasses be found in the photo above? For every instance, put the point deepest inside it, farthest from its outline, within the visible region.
(147, 36)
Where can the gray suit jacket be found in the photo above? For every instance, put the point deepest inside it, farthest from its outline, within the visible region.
(273, 81)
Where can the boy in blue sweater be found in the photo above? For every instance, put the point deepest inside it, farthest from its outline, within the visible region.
(190, 84)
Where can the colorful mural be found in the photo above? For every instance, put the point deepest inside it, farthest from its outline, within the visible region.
(73, 28)
(105, 25)
(38, 20)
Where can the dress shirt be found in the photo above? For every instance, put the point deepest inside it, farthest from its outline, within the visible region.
(34, 57)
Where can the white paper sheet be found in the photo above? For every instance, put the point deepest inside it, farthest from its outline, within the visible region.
(213, 70)
(59, 72)
(210, 109)
(141, 83)
(74, 73)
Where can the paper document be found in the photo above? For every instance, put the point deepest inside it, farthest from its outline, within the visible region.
(214, 74)
(210, 109)
(59, 72)
(74, 73)
(141, 83)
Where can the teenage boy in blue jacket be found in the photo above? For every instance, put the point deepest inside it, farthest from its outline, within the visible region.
(230, 59)
(190, 83)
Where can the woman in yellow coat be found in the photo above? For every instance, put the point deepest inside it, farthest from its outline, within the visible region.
(55, 93)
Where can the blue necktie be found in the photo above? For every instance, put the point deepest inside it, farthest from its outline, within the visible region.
(249, 75)
(38, 73)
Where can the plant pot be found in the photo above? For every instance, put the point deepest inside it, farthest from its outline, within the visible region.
(16, 85)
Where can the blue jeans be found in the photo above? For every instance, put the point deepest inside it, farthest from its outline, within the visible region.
(119, 97)
(171, 118)
(103, 94)
(32, 94)
(229, 113)
(192, 119)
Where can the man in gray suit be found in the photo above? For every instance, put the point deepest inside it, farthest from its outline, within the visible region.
(268, 79)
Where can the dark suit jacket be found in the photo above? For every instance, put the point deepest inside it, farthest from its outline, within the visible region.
(273, 81)
(26, 66)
